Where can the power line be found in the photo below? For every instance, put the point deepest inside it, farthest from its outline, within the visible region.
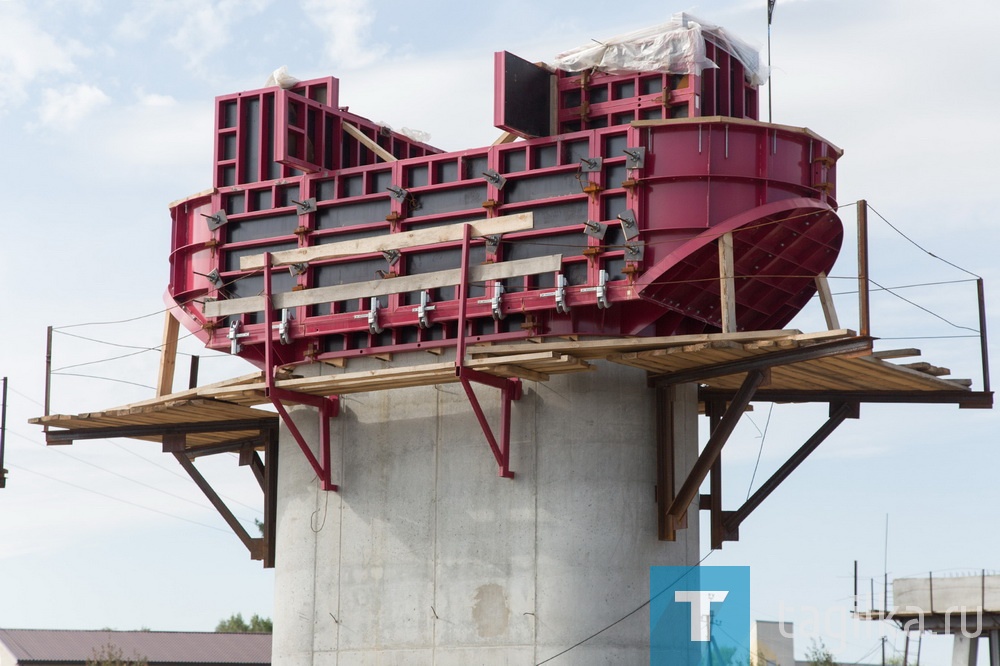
(928, 311)
(920, 247)
(630, 613)
(123, 501)
(107, 379)
(763, 436)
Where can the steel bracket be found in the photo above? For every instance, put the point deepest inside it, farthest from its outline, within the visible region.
(595, 229)
(305, 207)
(328, 406)
(234, 336)
(560, 294)
(373, 326)
(422, 319)
(630, 226)
(636, 157)
(510, 388)
(601, 290)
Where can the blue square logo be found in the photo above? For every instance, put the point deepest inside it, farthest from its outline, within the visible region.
(699, 616)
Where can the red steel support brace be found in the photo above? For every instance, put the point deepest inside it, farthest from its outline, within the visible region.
(328, 407)
(510, 389)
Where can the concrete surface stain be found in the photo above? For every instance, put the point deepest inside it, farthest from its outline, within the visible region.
(490, 611)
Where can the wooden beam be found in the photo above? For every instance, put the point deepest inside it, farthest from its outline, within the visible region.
(219, 505)
(506, 137)
(727, 283)
(168, 356)
(713, 448)
(826, 300)
(886, 354)
(396, 285)
(399, 241)
(368, 142)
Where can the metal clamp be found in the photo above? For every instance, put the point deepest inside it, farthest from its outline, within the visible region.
(304, 207)
(215, 220)
(634, 251)
(422, 320)
(559, 293)
(629, 225)
(494, 178)
(298, 269)
(285, 326)
(391, 256)
(234, 337)
(595, 229)
(373, 326)
(601, 290)
(591, 164)
(398, 193)
(495, 301)
(636, 157)
(492, 243)
(215, 279)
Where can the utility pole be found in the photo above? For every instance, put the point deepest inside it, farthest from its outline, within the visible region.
(770, 79)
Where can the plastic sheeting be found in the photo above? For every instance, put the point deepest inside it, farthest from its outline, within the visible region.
(675, 47)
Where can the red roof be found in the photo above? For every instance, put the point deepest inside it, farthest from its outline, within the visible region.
(156, 647)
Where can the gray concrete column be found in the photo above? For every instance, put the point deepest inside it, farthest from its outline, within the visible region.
(426, 556)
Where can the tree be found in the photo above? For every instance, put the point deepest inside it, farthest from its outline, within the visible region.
(236, 623)
(112, 655)
(818, 655)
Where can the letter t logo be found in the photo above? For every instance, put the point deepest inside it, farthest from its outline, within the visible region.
(701, 604)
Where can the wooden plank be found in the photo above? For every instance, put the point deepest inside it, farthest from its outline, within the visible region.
(397, 285)
(727, 283)
(368, 142)
(604, 346)
(826, 300)
(168, 356)
(925, 367)
(399, 241)
(887, 354)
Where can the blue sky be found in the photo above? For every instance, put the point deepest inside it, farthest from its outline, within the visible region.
(105, 117)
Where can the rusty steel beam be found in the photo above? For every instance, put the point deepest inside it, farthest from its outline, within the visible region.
(72, 434)
(252, 544)
(718, 439)
(838, 414)
(270, 497)
(963, 398)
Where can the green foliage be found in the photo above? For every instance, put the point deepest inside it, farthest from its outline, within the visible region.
(236, 623)
(818, 655)
(112, 655)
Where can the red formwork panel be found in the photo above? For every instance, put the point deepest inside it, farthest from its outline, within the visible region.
(660, 184)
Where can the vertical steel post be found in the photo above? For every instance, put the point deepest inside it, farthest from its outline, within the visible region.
(48, 373)
(864, 323)
(463, 296)
(3, 432)
(193, 374)
(982, 335)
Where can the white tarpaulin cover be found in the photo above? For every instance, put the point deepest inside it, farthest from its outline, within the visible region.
(675, 47)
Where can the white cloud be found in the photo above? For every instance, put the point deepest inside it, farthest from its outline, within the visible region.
(66, 107)
(27, 53)
(346, 24)
(196, 28)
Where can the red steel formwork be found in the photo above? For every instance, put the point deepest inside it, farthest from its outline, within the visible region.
(631, 179)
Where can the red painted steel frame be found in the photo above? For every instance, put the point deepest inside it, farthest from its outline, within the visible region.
(328, 406)
(510, 389)
(772, 186)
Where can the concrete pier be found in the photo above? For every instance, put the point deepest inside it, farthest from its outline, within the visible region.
(426, 556)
